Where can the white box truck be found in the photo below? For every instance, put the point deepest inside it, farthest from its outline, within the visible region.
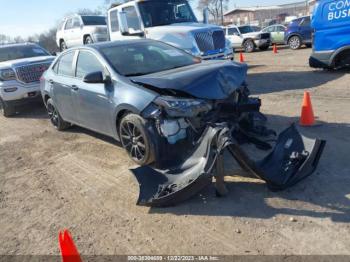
(170, 21)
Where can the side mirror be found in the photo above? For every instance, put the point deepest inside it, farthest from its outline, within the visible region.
(96, 78)
(206, 16)
(123, 23)
(53, 53)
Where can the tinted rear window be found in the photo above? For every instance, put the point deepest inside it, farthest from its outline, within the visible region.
(94, 20)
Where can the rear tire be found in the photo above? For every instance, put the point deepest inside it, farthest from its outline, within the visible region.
(63, 46)
(88, 40)
(249, 46)
(294, 42)
(6, 109)
(55, 117)
(136, 139)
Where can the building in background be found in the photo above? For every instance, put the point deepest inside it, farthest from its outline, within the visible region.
(267, 15)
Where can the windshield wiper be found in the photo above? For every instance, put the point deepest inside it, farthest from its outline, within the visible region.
(139, 74)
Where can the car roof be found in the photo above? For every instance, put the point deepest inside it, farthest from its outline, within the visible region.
(17, 45)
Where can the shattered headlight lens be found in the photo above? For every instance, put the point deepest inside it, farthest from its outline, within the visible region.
(7, 74)
(183, 107)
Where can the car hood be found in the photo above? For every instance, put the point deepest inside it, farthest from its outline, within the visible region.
(180, 34)
(214, 80)
(26, 61)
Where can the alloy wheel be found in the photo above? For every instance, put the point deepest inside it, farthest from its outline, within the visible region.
(249, 46)
(133, 141)
(53, 114)
(294, 42)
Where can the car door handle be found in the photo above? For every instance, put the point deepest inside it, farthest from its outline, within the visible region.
(74, 88)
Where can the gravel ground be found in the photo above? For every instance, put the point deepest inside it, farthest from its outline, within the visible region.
(81, 181)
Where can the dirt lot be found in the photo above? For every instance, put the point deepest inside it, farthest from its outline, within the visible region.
(81, 181)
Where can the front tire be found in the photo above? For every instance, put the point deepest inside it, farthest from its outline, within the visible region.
(55, 117)
(249, 46)
(294, 42)
(136, 139)
(88, 40)
(6, 109)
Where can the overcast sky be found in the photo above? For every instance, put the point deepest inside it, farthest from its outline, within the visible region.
(27, 17)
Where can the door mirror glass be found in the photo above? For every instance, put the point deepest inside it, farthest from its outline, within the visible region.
(94, 78)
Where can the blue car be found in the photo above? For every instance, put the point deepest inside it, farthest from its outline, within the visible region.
(298, 33)
(331, 21)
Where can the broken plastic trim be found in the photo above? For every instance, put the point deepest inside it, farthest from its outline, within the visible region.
(294, 158)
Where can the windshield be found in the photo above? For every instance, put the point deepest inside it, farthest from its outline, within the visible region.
(94, 20)
(145, 58)
(19, 52)
(248, 29)
(160, 12)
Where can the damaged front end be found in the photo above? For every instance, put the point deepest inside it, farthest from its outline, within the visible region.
(191, 133)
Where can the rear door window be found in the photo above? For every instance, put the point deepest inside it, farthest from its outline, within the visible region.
(87, 63)
(65, 67)
(280, 29)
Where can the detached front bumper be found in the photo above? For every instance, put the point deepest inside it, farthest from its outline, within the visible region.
(16, 91)
(294, 158)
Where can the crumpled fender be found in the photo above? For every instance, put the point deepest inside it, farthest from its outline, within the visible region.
(294, 158)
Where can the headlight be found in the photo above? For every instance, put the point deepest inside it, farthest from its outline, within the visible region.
(7, 74)
(182, 107)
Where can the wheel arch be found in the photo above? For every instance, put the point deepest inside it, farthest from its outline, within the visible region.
(295, 34)
(338, 53)
(248, 39)
(86, 35)
(120, 112)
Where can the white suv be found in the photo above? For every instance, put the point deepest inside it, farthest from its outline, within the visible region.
(247, 37)
(81, 29)
(21, 66)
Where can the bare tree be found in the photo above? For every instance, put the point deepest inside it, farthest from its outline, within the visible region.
(214, 7)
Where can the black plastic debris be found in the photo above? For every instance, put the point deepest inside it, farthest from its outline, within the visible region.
(294, 158)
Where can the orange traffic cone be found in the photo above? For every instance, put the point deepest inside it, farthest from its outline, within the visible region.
(275, 51)
(68, 250)
(241, 57)
(307, 113)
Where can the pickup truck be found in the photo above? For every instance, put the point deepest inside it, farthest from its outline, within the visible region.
(172, 22)
(248, 37)
(21, 66)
